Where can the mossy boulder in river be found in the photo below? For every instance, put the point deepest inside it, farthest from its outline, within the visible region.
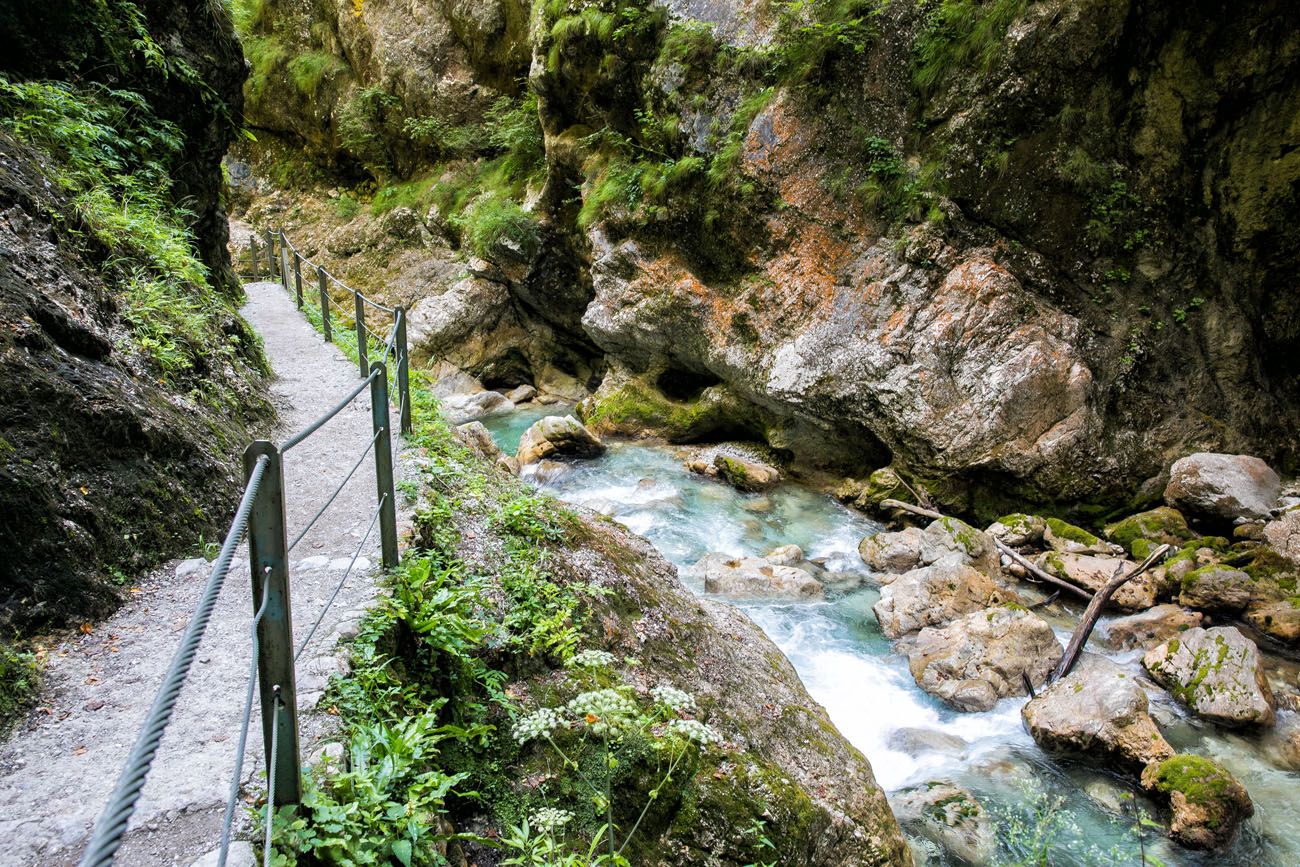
(1159, 526)
(1217, 673)
(556, 436)
(934, 595)
(1206, 803)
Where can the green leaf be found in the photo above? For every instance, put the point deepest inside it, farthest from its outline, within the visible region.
(402, 851)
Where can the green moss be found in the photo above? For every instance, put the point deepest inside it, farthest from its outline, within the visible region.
(309, 69)
(1157, 526)
(961, 33)
(1070, 533)
(1200, 780)
(636, 408)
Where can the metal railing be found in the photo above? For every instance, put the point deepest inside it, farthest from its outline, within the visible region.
(261, 515)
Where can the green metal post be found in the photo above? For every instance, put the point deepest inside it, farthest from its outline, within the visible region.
(403, 373)
(270, 254)
(324, 304)
(252, 256)
(268, 558)
(297, 277)
(360, 313)
(383, 465)
(284, 265)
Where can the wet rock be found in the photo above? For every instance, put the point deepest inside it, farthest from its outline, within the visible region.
(1223, 487)
(944, 539)
(1279, 620)
(702, 466)
(745, 474)
(548, 471)
(460, 408)
(508, 464)
(1283, 536)
(1217, 673)
(1281, 743)
(1146, 628)
(913, 740)
(952, 818)
(1138, 534)
(984, 656)
(478, 438)
(785, 555)
(1069, 539)
(893, 553)
(753, 578)
(556, 435)
(1216, 588)
(1018, 530)
(1099, 713)
(1206, 803)
(521, 393)
(932, 596)
(1093, 573)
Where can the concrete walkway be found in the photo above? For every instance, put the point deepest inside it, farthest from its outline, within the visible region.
(57, 771)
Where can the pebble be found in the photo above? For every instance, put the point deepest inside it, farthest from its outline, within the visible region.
(93, 704)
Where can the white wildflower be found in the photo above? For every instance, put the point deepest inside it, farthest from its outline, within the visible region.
(673, 698)
(591, 659)
(605, 710)
(694, 730)
(538, 724)
(549, 819)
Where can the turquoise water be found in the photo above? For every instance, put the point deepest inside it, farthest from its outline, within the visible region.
(847, 666)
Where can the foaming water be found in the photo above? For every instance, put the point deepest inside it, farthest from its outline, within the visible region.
(847, 666)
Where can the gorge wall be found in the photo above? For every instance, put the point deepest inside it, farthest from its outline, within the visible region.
(1019, 251)
(130, 379)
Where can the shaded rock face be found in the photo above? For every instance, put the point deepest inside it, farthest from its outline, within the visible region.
(556, 436)
(952, 818)
(1223, 487)
(1158, 624)
(1217, 673)
(753, 578)
(1097, 713)
(1206, 803)
(934, 595)
(984, 656)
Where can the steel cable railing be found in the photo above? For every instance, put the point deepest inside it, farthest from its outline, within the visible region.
(260, 515)
(113, 821)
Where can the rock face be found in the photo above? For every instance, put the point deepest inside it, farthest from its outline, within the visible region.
(1223, 487)
(1283, 535)
(1093, 573)
(1158, 624)
(1217, 673)
(934, 595)
(952, 818)
(555, 436)
(753, 578)
(1097, 713)
(984, 656)
(1206, 803)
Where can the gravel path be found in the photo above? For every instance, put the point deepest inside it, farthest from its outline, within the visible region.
(57, 771)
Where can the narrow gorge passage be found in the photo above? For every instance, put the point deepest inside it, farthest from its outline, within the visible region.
(58, 770)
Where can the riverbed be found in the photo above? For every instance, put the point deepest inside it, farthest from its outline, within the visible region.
(1079, 815)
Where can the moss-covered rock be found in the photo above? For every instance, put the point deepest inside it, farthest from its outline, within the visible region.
(630, 407)
(1206, 803)
(1018, 529)
(1159, 526)
(1215, 672)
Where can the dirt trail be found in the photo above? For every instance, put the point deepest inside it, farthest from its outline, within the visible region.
(57, 771)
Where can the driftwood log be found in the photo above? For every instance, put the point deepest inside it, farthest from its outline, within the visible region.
(1093, 611)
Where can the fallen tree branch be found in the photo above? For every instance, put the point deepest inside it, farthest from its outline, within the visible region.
(1093, 611)
(1038, 573)
(908, 507)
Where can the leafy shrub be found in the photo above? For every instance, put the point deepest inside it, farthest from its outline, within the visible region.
(494, 223)
(19, 678)
(961, 33)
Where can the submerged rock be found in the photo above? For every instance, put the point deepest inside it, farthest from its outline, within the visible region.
(1206, 803)
(952, 818)
(1217, 673)
(1093, 573)
(1097, 712)
(1147, 627)
(1281, 743)
(934, 595)
(753, 578)
(1223, 487)
(984, 656)
(558, 436)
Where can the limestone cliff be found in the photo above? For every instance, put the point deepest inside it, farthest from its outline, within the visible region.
(1020, 250)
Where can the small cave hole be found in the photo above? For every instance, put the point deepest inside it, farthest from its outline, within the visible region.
(684, 385)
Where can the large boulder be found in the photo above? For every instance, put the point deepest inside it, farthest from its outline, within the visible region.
(556, 436)
(1216, 588)
(460, 408)
(1146, 628)
(1138, 534)
(753, 578)
(1206, 803)
(1223, 487)
(1097, 712)
(934, 595)
(1279, 620)
(746, 474)
(1068, 539)
(1018, 529)
(951, 817)
(979, 658)
(1217, 673)
(945, 539)
(1093, 573)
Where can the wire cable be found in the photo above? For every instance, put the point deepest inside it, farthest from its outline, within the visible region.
(343, 580)
(270, 780)
(337, 490)
(112, 823)
(316, 425)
